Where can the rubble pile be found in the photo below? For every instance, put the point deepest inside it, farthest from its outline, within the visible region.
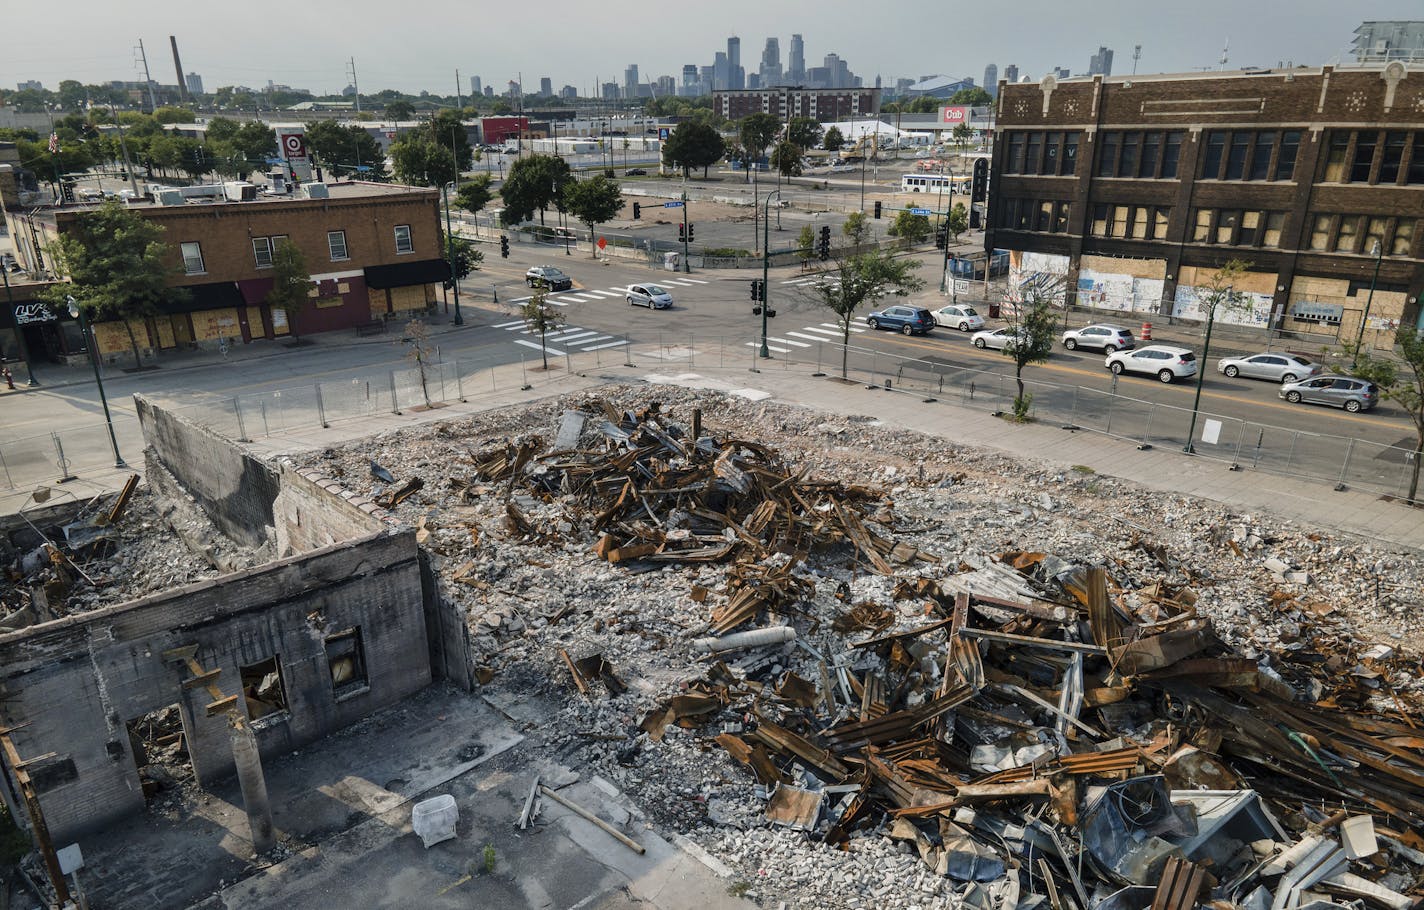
(117, 547)
(866, 669)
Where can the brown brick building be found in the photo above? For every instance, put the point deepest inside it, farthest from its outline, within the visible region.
(1137, 187)
(373, 252)
(823, 104)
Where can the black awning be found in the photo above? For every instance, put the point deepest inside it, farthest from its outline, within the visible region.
(405, 274)
(217, 296)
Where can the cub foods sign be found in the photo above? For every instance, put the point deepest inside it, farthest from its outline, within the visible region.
(953, 116)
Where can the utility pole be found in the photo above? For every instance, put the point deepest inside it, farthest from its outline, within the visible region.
(459, 104)
(148, 80)
(765, 268)
(351, 67)
(1136, 53)
(124, 147)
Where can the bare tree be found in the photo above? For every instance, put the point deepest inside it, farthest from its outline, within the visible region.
(541, 319)
(421, 352)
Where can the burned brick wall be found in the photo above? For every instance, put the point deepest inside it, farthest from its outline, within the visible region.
(312, 511)
(333, 635)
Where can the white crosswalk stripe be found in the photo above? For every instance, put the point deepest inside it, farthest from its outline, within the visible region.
(855, 329)
(576, 336)
(602, 293)
(806, 337)
(536, 346)
(509, 326)
(599, 347)
(695, 281)
(769, 347)
(794, 344)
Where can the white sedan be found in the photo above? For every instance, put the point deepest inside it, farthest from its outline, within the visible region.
(997, 339)
(959, 316)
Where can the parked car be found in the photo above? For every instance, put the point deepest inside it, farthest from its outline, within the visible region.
(959, 316)
(1277, 366)
(1337, 391)
(1164, 361)
(1105, 338)
(635, 172)
(549, 277)
(649, 295)
(910, 320)
(997, 339)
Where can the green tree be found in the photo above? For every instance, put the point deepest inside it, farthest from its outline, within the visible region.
(535, 182)
(474, 194)
(399, 109)
(786, 158)
(806, 243)
(804, 132)
(833, 140)
(692, 145)
(856, 228)
(541, 319)
(346, 148)
(71, 95)
(864, 278)
(256, 142)
(1402, 383)
(910, 227)
(174, 115)
(756, 133)
(464, 259)
(118, 267)
(420, 162)
(975, 96)
(958, 220)
(962, 135)
(291, 284)
(593, 201)
(1032, 322)
(446, 130)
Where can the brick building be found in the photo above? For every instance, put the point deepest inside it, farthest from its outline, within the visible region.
(1138, 187)
(823, 104)
(373, 252)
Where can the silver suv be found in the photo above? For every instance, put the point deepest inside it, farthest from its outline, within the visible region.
(1101, 337)
(1167, 363)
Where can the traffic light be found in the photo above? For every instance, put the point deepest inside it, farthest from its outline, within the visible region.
(756, 289)
(877, 210)
(637, 210)
(941, 237)
(979, 189)
(825, 247)
(689, 231)
(682, 233)
(504, 247)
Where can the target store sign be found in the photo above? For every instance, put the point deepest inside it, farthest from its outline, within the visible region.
(953, 116)
(293, 145)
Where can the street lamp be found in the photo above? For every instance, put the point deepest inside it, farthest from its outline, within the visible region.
(93, 346)
(765, 267)
(450, 252)
(1378, 252)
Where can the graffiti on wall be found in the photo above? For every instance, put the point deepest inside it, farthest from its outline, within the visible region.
(1251, 309)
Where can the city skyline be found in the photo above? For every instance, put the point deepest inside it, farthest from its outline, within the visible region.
(99, 41)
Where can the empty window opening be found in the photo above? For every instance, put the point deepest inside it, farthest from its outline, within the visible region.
(160, 751)
(347, 661)
(262, 688)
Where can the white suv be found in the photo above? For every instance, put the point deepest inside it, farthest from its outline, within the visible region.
(1105, 338)
(1167, 363)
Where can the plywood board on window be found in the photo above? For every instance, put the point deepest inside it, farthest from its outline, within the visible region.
(255, 328)
(279, 321)
(410, 298)
(379, 307)
(1251, 282)
(164, 325)
(210, 325)
(113, 337)
(1131, 268)
(1309, 286)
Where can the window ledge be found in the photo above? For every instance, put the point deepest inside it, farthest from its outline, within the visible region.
(342, 259)
(349, 694)
(271, 720)
(195, 273)
(404, 252)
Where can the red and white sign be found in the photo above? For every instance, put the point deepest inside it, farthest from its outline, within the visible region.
(954, 116)
(602, 244)
(292, 145)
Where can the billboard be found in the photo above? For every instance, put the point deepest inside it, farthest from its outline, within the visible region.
(953, 115)
(292, 147)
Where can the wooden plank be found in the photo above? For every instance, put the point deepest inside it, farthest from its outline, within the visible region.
(207, 677)
(187, 652)
(223, 704)
(590, 817)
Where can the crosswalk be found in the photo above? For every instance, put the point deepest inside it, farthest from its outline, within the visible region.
(620, 292)
(810, 280)
(805, 337)
(563, 340)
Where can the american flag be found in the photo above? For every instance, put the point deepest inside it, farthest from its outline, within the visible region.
(54, 143)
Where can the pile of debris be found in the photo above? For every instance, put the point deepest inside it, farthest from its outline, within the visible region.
(1031, 730)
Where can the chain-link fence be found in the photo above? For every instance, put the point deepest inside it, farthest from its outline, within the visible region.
(1235, 441)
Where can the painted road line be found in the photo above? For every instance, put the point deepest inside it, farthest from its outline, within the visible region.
(770, 347)
(576, 337)
(695, 281)
(542, 348)
(565, 331)
(794, 344)
(509, 326)
(587, 341)
(807, 337)
(611, 344)
(603, 293)
(854, 329)
(820, 331)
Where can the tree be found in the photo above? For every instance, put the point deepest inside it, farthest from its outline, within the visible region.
(806, 243)
(833, 140)
(346, 148)
(474, 194)
(786, 158)
(958, 220)
(399, 110)
(593, 201)
(1402, 383)
(464, 259)
(534, 183)
(291, 284)
(256, 142)
(174, 115)
(864, 277)
(541, 319)
(974, 96)
(420, 162)
(1032, 322)
(422, 350)
(757, 132)
(910, 227)
(118, 266)
(962, 135)
(804, 132)
(856, 227)
(692, 145)
(446, 130)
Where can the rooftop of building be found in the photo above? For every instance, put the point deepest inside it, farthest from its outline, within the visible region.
(1128, 79)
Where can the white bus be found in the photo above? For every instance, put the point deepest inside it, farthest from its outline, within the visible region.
(934, 183)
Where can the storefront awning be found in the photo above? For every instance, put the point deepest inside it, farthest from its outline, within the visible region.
(217, 296)
(405, 274)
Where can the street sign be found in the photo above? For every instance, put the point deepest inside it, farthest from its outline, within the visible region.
(920, 212)
(663, 133)
(672, 205)
(961, 286)
(602, 243)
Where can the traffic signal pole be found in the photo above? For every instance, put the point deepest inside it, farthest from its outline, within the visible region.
(686, 265)
(765, 268)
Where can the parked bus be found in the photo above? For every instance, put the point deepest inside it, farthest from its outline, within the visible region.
(934, 183)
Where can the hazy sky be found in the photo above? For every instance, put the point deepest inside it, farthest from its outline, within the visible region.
(418, 44)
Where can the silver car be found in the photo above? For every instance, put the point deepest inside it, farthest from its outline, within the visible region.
(1105, 338)
(1337, 391)
(997, 339)
(649, 295)
(1277, 366)
(959, 316)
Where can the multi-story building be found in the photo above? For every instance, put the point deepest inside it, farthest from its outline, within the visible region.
(30, 85)
(194, 82)
(1136, 189)
(372, 250)
(630, 81)
(666, 86)
(546, 87)
(1100, 64)
(786, 102)
(796, 61)
(691, 83)
(736, 76)
(476, 89)
(1011, 73)
(770, 70)
(991, 79)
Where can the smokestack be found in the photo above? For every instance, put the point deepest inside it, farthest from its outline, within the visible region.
(178, 65)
